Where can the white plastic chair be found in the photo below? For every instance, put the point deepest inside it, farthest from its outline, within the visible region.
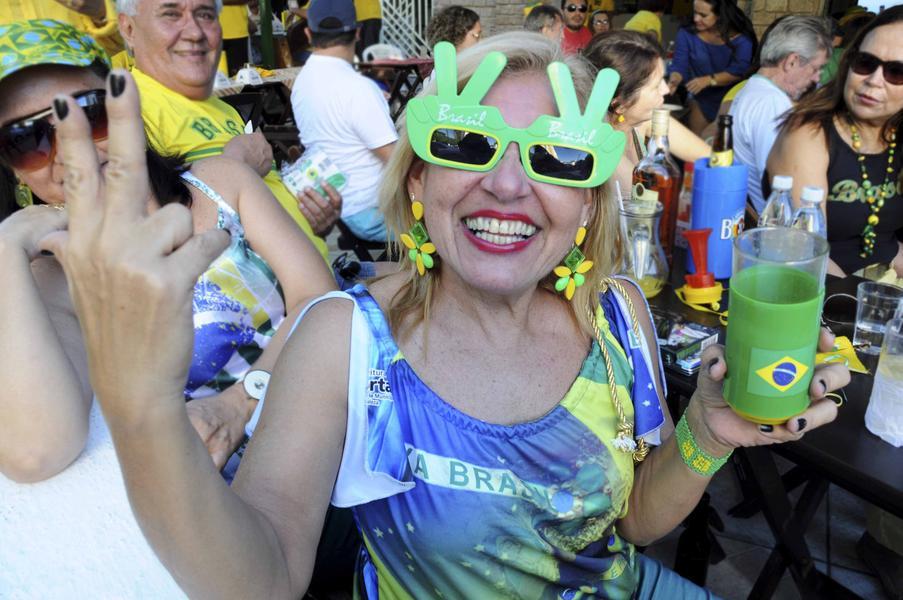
(382, 52)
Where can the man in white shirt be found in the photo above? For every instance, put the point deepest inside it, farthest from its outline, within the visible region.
(344, 114)
(791, 57)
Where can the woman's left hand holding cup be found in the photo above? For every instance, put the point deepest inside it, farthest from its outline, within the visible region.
(719, 429)
(130, 273)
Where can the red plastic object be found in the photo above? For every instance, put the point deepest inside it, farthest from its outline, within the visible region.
(699, 247)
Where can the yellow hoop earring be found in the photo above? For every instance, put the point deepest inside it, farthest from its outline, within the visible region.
(620, 119)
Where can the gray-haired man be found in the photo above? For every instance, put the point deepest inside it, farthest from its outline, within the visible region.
(791, 57)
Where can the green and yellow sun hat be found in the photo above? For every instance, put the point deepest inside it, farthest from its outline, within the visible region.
(46, 42)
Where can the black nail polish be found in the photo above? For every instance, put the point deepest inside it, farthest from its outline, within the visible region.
(766, 428)
(46, 253)
(117, 84)
(824, 386)
(61, 108)
(712, 364)
(801, 424)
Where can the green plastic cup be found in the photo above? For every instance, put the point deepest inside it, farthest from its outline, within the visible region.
(776, 295)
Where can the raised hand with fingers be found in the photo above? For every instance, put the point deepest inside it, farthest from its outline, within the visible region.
(130, 274)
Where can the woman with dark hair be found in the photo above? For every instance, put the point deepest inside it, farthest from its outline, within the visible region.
(52, 429)
(455, 24)
(496, 424)
(711, 56)
(842, 138)
(600, 21)
(638, 59)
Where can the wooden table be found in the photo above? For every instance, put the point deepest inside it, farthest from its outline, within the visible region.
(844, 453)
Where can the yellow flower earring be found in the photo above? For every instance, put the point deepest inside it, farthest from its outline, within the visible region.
(417, 240)
(571, 273)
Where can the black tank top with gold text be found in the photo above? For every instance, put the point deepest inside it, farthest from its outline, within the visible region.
(847, 208)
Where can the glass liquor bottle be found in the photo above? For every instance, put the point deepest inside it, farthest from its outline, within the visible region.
(657, 179)
(723, 144)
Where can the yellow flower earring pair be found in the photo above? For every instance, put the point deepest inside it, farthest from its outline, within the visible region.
(571, 273)
(417, 240)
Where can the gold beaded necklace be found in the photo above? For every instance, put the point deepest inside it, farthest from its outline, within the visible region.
(874, 195)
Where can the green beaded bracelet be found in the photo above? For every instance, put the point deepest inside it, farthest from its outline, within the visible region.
(696, 458)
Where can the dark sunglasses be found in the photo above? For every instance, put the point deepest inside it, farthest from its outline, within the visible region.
(574, 8)
(29, 143)
(864, 63)
(542, 161)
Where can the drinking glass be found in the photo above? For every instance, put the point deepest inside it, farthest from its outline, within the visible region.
(644, 259)
(875, 306)
(776, 294)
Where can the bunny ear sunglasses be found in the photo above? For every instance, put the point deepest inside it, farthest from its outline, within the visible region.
(575, 149)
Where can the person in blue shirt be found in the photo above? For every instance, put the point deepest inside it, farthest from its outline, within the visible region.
(711, 56)
(487, 413)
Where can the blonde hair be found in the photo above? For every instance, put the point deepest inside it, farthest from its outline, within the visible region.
(526, 53)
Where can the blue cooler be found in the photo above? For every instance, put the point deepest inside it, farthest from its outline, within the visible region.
(719, 202)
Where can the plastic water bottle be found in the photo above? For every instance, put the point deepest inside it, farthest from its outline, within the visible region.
(809, 216)
(778, 211)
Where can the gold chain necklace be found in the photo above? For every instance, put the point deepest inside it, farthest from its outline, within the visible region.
(624, 439)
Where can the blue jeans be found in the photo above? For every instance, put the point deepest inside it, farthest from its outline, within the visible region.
(657, 582)
(367, 225)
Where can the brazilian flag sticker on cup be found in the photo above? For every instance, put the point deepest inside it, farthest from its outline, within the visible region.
(777, 384)
(782, 374)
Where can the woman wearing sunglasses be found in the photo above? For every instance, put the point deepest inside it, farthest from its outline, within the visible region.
(600, 21)
(642, 88)
(51, 430)
(487, 411)
(843, 138)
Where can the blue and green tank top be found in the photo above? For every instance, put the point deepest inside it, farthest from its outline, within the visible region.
(450, 506)
(237, 307)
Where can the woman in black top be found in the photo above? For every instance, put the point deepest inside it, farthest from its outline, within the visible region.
(843, 139)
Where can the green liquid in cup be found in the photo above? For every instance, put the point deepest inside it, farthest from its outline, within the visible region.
(772, 335)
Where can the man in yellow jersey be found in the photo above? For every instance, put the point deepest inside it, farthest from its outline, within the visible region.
(176, 47)
(369, 22)
(97, 18)
(234, 21)
(648, 18)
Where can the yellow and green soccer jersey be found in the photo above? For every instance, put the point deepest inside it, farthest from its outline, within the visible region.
(200, 129)
(645, 21)
(368, 9)
(234, 21)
